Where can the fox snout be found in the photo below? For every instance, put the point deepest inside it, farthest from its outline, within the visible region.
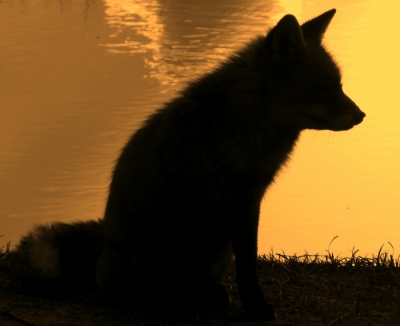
(348, 114)
(358, 117)
(354, 114)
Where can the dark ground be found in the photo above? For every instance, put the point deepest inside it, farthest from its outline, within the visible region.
(305, 290)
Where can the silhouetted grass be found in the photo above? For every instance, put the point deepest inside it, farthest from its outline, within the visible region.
(305, 290)
(5, 250)
(333, 290)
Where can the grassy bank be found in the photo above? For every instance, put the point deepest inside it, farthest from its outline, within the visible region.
(305, 290)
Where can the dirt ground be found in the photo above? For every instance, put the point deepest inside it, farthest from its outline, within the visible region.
(19, 305)
(304, 291)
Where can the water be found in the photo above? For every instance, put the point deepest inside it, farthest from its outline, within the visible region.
(78, 77)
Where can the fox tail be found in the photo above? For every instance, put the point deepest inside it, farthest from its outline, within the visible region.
(60, 255)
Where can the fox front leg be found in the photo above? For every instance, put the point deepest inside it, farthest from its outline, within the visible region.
(244, 241)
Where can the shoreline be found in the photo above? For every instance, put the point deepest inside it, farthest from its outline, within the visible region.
(305, 290)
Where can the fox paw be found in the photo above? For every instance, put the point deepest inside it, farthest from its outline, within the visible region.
(214, 298)
(264, 313)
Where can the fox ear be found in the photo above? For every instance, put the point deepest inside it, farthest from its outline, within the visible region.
(315, 28)
(287, 40)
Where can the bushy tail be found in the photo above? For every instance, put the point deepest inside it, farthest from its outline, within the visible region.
(60, 255)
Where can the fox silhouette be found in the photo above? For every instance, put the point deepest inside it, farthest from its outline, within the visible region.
(185, 194)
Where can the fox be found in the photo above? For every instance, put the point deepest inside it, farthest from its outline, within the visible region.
(185, 194)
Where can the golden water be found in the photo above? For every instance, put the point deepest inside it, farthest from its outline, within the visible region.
(77, 78)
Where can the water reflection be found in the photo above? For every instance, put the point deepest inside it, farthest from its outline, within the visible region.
(180, 40)
(142, 17)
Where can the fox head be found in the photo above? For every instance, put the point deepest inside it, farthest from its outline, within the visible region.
(312, 80)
